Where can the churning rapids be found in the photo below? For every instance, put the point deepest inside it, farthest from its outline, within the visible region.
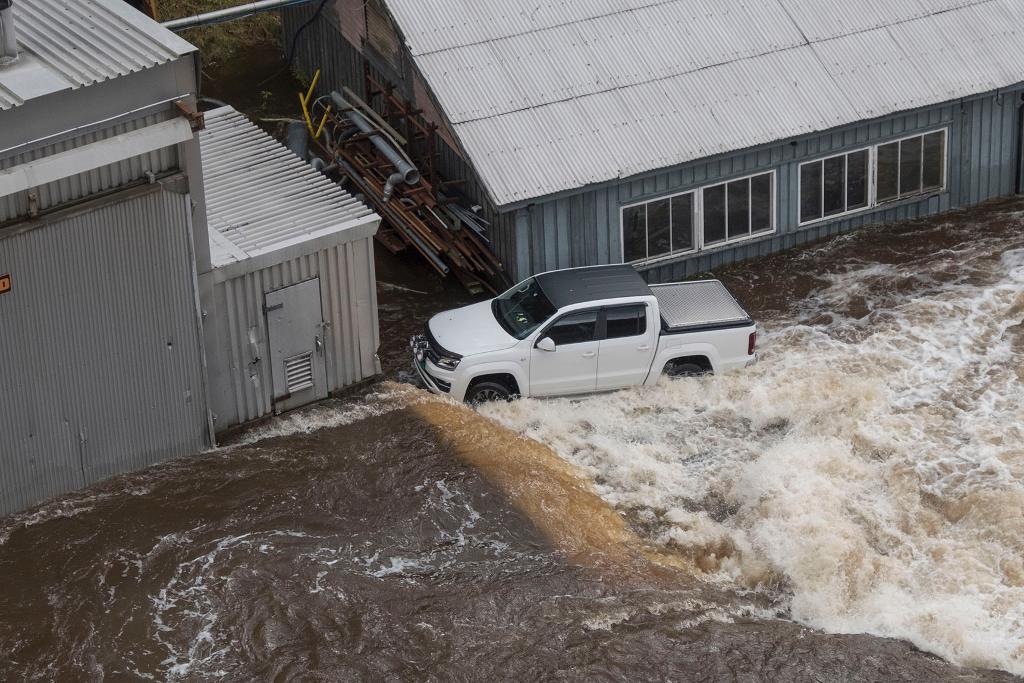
(850, 508)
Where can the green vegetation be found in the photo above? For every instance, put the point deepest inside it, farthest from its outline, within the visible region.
(242, 60)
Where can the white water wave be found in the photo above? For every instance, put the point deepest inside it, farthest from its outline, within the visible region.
(871, 465)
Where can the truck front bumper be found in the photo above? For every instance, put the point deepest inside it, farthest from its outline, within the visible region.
(435, 385)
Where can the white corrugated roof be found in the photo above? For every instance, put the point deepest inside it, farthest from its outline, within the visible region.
(65, 44)
(261, 198)
(552, 95)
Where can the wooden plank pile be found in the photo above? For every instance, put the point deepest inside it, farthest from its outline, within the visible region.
(422, 216)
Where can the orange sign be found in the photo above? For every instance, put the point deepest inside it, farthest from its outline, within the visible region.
(5, 283)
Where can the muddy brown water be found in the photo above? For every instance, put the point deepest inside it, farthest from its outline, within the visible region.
(391, 536)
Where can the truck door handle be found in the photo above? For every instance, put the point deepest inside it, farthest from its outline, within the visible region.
(589, 354)
(645, 347)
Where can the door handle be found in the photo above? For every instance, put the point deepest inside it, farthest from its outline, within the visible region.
(645, 347)
(319, 345)
(589, 354)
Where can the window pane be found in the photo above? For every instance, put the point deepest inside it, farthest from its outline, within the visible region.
(657, 228)
(761, 209)
(857, 180)
(835, 184)
(682, 222)
(714, 214)
(934, 159)
(910, 166)
(627, 321)
(634, 233)
(810, 191)
(574, 328)
(888, 171)
(739, 208)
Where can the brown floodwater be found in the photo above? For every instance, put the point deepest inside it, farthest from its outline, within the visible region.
(851, 508)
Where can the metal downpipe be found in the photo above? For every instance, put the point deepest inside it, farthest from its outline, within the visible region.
(1020, 147)
(230, 13)
(8, 34)
(405, 172)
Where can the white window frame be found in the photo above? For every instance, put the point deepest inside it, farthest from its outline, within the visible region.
(695, 214)
(698, 219)
(750, 209)
(873, 201)
(899, 159)
(870, 188)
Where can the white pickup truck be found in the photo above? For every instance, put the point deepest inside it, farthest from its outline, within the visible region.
(583, 330)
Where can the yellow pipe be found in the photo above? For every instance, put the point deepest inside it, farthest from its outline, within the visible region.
(309, 94)
(320, 128)
(305, 113)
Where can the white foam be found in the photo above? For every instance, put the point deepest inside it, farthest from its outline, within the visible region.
(870, 467)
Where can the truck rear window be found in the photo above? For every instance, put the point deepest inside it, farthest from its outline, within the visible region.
(625, 321)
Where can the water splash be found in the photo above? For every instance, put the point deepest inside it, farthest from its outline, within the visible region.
(870, 467)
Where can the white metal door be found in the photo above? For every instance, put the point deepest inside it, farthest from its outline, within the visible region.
(295, 328)
(572, 367)
(627, 349)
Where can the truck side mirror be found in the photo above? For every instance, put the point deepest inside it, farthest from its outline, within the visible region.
(546, 344)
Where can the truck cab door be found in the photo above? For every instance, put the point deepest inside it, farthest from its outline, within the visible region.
(628, 347)
(571, 368)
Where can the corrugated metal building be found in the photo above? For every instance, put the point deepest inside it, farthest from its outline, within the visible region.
(100, 345)
(682, 134)
(291, 299)
(130, 332)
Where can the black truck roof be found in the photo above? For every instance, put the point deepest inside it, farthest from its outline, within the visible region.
(580, 285)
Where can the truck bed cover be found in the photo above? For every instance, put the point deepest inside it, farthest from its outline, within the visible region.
(698, 304)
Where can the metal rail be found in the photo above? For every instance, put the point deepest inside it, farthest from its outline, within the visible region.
(229, 14)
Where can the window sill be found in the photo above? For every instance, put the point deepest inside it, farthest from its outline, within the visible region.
(878, 206)
(642, 263)
(708, 249)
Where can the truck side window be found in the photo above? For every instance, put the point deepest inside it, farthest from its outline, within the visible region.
(574, 328)
(625, 321)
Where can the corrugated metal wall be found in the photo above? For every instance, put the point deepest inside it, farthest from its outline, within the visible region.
(99, 346)
(321, 46)
(240, 388)
(99, 180)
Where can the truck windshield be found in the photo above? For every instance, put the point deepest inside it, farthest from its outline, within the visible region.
(522, 309)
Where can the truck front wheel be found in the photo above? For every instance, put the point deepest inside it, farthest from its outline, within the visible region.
(486, 392)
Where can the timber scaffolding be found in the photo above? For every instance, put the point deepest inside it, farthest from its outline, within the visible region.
(423, 212)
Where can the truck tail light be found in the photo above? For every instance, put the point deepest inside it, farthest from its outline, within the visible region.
(751, 343)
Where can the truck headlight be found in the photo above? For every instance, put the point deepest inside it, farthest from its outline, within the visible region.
(447, 363)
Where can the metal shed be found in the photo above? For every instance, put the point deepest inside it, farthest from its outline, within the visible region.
(562, 119)
(100, 343)
(290, 303)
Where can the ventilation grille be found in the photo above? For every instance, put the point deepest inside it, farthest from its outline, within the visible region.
(298, 372)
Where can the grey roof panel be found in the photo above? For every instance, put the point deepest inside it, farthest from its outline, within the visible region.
(582, 285)
(66, 45)
(548, 97)
(260, 197)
